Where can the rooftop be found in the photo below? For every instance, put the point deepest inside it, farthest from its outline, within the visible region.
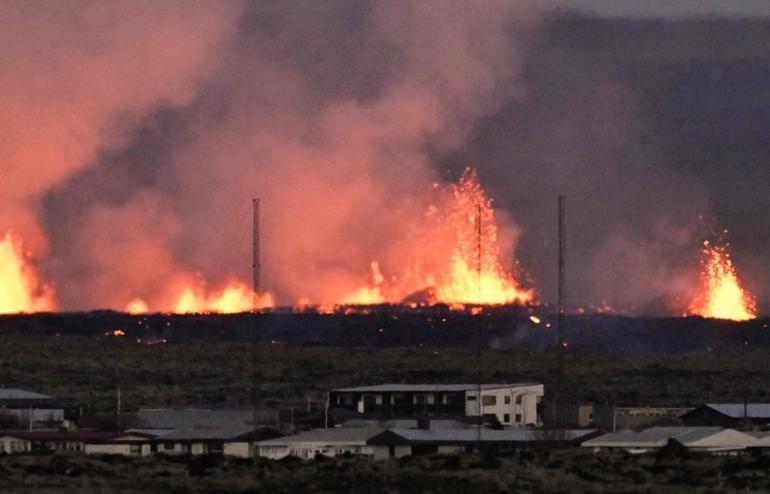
(21, 394)
(199, 418)
(742, 410)
(427, 388)
(514, 435)
(345, 435)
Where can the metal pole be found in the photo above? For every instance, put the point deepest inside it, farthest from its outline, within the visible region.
(480, 330)
(562, 260)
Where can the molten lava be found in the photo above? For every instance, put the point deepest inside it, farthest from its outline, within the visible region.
(234, 298)
(452, 256)
(20, 290)
(137, 306)
(475, 274)
(721, 294)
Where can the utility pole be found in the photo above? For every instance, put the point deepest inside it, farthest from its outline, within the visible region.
(562, 261)
(480, 330)
(256, 272)
(255, 266)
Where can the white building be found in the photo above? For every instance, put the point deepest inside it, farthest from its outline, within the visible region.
(512, 404)
(715, 440)
(326, 442)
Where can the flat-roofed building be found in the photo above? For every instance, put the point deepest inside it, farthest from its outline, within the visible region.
(511, 404)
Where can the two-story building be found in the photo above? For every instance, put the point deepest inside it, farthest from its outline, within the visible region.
(510, 404)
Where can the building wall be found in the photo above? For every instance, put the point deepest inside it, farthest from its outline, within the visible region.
(124, 449)
(12, 445)
(238, 449)
(515, 406)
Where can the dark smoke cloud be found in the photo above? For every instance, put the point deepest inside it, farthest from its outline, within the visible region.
(340, 115)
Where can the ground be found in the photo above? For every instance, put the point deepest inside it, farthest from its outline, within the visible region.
(564, 471)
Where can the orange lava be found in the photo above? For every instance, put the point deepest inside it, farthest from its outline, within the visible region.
(453, 256)
(20, 289)
(137, 306)
(234, 298)
(475, 274)
(721, 294)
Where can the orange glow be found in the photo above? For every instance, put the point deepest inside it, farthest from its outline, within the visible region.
(137, 306)
(452, 256)
(20, 289)
(115, 332)
(534, 319)
(370, 294)
(721, 294)
(235, 297)
(475, 274)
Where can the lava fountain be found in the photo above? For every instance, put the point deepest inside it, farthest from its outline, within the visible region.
(452, 255)
(721, 294)
(20, 290)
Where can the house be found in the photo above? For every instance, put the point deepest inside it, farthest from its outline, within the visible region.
(509, 404)
(728, 415)
(35, 410)
(424, 441)
(614, 418)
(82, 441)
(238, 441)
(325, 442)
(715, 440)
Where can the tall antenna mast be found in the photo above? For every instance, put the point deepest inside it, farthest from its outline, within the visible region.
(256, 266)
(562, 260)
(480, 335)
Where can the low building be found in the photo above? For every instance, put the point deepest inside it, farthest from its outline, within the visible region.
(728, 415)
(402, 442)
(509, 404)
(81, 441)
(324, 442)
(32, 410)
(238, 442)
(715, 440)
(614, 418)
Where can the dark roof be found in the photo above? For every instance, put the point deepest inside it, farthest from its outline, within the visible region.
(200, 418)
(21, 394)
(469, 436)
(80, 435)
(742, 410)
(426, 388)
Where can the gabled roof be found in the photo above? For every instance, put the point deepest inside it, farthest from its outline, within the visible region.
(73, 436)
(200, 418)
(655, 437)
(468, 436)
(405, 424)
(742, 410)
(21, 394)
(335, 435)
(427, 388)
(213, 434)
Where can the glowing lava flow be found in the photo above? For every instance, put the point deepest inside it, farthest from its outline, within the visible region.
(455, 256)
(20, 290)
(234, 298)
(475, 274)
(721, 294)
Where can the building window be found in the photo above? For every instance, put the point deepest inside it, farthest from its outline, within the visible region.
(471, 398)
(507, 418)
(489, 401)
(507, 400)
(518, 399)
(135, 448)
(518, 418)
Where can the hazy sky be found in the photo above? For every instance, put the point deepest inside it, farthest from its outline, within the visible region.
(672, 8)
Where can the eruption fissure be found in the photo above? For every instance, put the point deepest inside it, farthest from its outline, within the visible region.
(721, 294)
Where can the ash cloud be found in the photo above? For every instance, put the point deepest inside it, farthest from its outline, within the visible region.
(340, 115)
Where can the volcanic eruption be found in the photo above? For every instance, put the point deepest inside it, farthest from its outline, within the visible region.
(20, 290)
(721, 294)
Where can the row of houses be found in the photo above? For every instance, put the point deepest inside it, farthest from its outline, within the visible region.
(702, 439)
(382, 421)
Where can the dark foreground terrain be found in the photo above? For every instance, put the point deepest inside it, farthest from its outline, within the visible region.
(573, 471)
(220, 374)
